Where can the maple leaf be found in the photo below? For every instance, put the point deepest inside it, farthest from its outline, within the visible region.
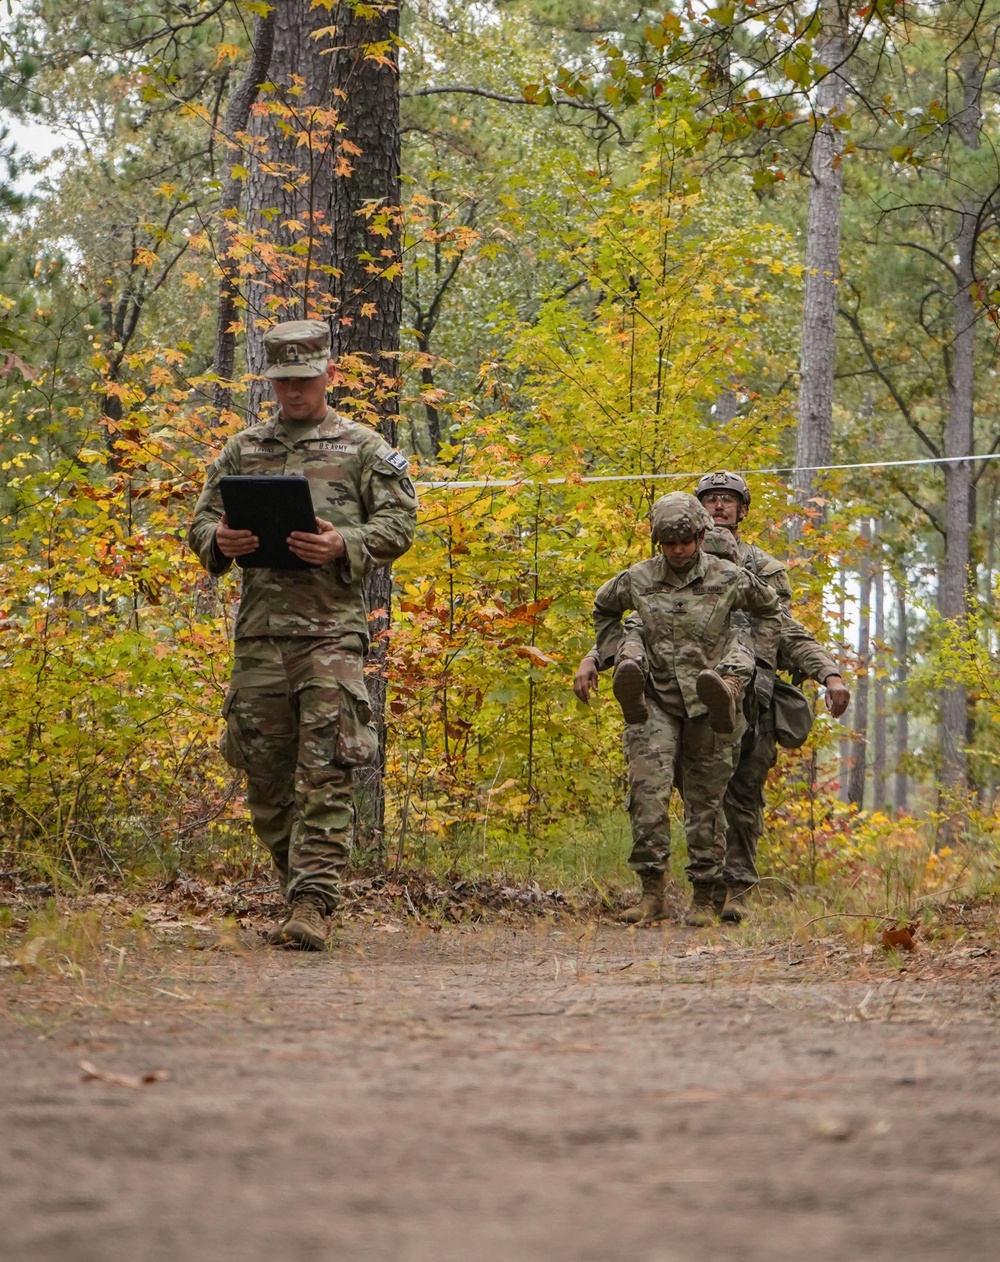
(227, 52)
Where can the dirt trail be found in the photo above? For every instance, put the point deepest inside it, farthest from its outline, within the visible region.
(480, 1094)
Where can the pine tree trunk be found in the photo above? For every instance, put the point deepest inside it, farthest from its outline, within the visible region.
(369, 295)
(879, 753)
(953, 583)
(335, 199)
(988, 786)
(845, 740)
(236, 121)
(902, 785)
(815, 405)
(859, 765)
(953, 587)
(290, 185)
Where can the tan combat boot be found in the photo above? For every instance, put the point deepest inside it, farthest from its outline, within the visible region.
(305, 929)
(719, 694)
(629, 686)
(737, 906)
(702, 911)
(650, 906)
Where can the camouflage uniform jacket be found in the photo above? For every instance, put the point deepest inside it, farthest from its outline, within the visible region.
(686, 620)
(799, 652)
(357, 481)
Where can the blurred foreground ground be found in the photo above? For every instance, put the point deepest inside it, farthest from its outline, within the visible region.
(554, 1091)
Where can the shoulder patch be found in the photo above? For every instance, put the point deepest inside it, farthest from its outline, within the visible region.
(395, 459)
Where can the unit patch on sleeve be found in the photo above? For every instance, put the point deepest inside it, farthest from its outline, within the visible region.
(395, 459)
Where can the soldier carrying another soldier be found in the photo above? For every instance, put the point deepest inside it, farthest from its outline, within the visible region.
(727, 497)
(297, 714)
(684, 721)
(776, 711)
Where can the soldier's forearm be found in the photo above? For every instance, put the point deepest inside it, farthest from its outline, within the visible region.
(201, 540)
(376, 543)
(801, 652)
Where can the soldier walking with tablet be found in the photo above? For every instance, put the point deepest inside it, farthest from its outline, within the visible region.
(297, 714)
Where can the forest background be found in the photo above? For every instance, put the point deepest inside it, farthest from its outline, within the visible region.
(573, 255)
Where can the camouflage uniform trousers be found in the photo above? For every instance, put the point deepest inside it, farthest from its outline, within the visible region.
(744, 800)
(298, 722)
(668, 750)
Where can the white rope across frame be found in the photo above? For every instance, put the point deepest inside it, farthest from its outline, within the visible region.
(461, 485)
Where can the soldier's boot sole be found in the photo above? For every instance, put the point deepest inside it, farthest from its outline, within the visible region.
(273, 937)
(629, 686)
(718, 699)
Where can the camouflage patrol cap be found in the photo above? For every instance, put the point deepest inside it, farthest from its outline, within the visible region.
(678, 517)
(297, 348)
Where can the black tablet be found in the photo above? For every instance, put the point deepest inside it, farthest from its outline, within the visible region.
(272, 506)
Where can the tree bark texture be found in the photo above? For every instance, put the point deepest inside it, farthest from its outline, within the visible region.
(369, 263)
(290, 185)
(953, 586)
(901, 795)
(859, 764)
(879, 733)
(236, 121)
(368, 292)
(323, 204)
(819, 313)
(845, 740)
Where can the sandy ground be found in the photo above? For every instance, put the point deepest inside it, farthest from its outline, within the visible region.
(478, 1094)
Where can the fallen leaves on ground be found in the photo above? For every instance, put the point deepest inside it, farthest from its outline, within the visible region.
(900, 939)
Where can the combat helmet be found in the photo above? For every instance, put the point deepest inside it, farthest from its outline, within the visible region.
(724, 481)
(678, 517)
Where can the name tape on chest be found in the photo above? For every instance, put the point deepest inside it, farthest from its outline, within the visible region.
(341, 447)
